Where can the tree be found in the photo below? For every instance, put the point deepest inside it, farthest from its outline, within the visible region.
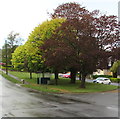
(25, 58)
(108, 35)
(18, 58)
(13, 41)
(72, 46)
(69, 11)
(32, 55)
(115, 67)
(53, 53)
(86, 37)
(40, 34)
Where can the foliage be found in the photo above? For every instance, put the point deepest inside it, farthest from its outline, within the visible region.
(81, 43)
(116, 53)
(38, 36)
(74, 39)
(14, 39)
(24, 59)
(96, 76)
(116, 80)
(18, 57)
(12, 42)
(28, 56)
(107, 34)
(69, 11)
(44, 31)
(115, 66)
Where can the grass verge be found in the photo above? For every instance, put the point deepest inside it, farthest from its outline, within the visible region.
(9, 78)
(64, 85)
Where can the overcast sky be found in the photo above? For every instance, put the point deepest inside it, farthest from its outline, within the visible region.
(22, 16)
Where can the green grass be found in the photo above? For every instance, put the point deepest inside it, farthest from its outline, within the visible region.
(24, 75)
(64, 85)
(72, 88)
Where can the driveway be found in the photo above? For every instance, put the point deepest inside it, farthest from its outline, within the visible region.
(23, 102)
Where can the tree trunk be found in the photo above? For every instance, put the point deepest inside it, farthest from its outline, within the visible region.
(43, 74)
(73, 76)
(56, 77)
(80, 76)
(82, 85)
(30, 75)
(115, 75)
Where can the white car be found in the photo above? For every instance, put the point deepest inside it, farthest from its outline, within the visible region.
(102, 80)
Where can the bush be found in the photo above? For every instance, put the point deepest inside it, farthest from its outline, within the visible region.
(3, 68)
(116, 80)
(106, 76)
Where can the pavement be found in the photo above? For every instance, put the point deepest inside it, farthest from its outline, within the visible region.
(23, 102)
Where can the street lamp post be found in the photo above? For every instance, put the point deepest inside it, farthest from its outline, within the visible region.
(6, 57)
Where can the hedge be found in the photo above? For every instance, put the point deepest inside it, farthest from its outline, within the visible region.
(116, 80)
(106, 76)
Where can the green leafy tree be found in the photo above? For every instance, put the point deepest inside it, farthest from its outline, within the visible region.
(40, 34)
(13, 41)
(25, 59)
(18, 58)
(115, 67)
(32, 54)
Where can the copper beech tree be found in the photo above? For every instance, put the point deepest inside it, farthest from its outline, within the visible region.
(82, 43)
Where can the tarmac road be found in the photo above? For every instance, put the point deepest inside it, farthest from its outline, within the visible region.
(22, 102)
(0, 97)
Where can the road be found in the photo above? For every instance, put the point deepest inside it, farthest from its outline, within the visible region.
(0, 97)
(23, 102)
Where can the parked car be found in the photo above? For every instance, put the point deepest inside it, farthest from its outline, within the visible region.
(102, 80)
(67, 75)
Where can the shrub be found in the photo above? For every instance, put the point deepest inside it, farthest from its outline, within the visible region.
(106, 76)
(3, 68)
(116, 80)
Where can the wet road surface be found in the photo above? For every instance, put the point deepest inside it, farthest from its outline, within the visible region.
(0, 97)
(22, 102)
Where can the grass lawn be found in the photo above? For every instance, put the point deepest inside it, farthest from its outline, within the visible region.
(64, 85)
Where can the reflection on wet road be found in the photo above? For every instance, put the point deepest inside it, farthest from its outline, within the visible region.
(22, 102)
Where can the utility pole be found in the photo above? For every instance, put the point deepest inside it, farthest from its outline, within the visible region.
(6, 57)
